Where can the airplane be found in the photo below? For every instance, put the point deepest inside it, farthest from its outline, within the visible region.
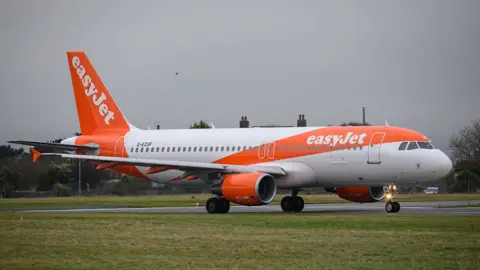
(247, 166)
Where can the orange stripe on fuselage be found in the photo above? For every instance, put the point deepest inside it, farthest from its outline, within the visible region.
(297, 145)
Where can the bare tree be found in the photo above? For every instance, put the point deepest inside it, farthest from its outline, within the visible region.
(466, 144)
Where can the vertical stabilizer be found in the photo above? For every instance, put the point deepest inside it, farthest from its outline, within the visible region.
(97, 111)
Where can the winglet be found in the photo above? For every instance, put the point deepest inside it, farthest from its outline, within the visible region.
(35, 153)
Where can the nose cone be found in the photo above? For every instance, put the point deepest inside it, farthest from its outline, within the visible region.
(444, 165)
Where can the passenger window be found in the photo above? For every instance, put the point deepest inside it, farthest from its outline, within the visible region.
(402, 146)
(244, 148)
(141, 149)
(163, 149)
(146, 149)
(173, 149)
(168, 149)
(136, 150)
(200, 149)
(158, 149)
(211, 148)
(221, 148)
(195, 149)
(189, 149)
(152, 149)
(131, 150)
(412, 145)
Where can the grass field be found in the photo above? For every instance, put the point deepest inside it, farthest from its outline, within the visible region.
(237, 241)
(186, 200)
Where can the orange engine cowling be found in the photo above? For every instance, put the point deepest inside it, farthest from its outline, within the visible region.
(247, 188)
(361, 194)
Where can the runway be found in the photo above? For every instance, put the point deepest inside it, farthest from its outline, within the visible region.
(407, 208)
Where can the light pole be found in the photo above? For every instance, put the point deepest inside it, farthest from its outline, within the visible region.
(363, 114)
(79, 177)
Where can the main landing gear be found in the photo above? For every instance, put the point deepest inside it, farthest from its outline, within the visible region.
(292, 203)
(391, 206)
(217, 205)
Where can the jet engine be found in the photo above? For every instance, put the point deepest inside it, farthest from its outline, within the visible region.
(247, 188)
(361, 194)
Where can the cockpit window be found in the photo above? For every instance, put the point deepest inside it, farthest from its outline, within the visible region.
(412, 145)
(402, 146)
(425, 145)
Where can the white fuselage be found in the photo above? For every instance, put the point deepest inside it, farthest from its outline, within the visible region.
(306, 165)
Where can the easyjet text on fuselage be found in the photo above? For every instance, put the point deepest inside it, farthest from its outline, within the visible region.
(333, 140)
(92, 91)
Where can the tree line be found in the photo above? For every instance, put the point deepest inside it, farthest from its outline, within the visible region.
(60, 176)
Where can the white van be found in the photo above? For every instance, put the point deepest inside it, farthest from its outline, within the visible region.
(431, 190)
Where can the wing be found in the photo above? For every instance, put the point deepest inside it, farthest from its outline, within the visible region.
(50, 147)
(186, 166)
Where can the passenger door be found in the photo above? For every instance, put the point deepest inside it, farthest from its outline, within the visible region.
(374, 148)
(120, 147)
(266, 151)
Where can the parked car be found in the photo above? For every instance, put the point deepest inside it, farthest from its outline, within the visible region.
(431, 190)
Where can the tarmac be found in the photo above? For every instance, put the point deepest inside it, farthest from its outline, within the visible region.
(407, 208)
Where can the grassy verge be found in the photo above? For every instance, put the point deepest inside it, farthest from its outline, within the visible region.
(237, 241)
(187, 200)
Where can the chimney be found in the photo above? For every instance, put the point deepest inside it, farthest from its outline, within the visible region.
(244, 122)
(301, 122)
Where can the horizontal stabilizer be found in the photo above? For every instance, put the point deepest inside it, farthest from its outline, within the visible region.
(55, 146)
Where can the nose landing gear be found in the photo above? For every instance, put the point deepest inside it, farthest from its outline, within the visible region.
(391, 206)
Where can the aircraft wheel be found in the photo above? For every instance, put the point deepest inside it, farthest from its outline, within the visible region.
(213, 205)
(299, 204)
(396, 206)
(389, 207)
(287, 204)
(225, 206)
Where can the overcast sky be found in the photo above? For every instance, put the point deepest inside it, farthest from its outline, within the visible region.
(415, 64)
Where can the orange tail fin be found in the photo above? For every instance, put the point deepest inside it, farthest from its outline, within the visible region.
(97, 111)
